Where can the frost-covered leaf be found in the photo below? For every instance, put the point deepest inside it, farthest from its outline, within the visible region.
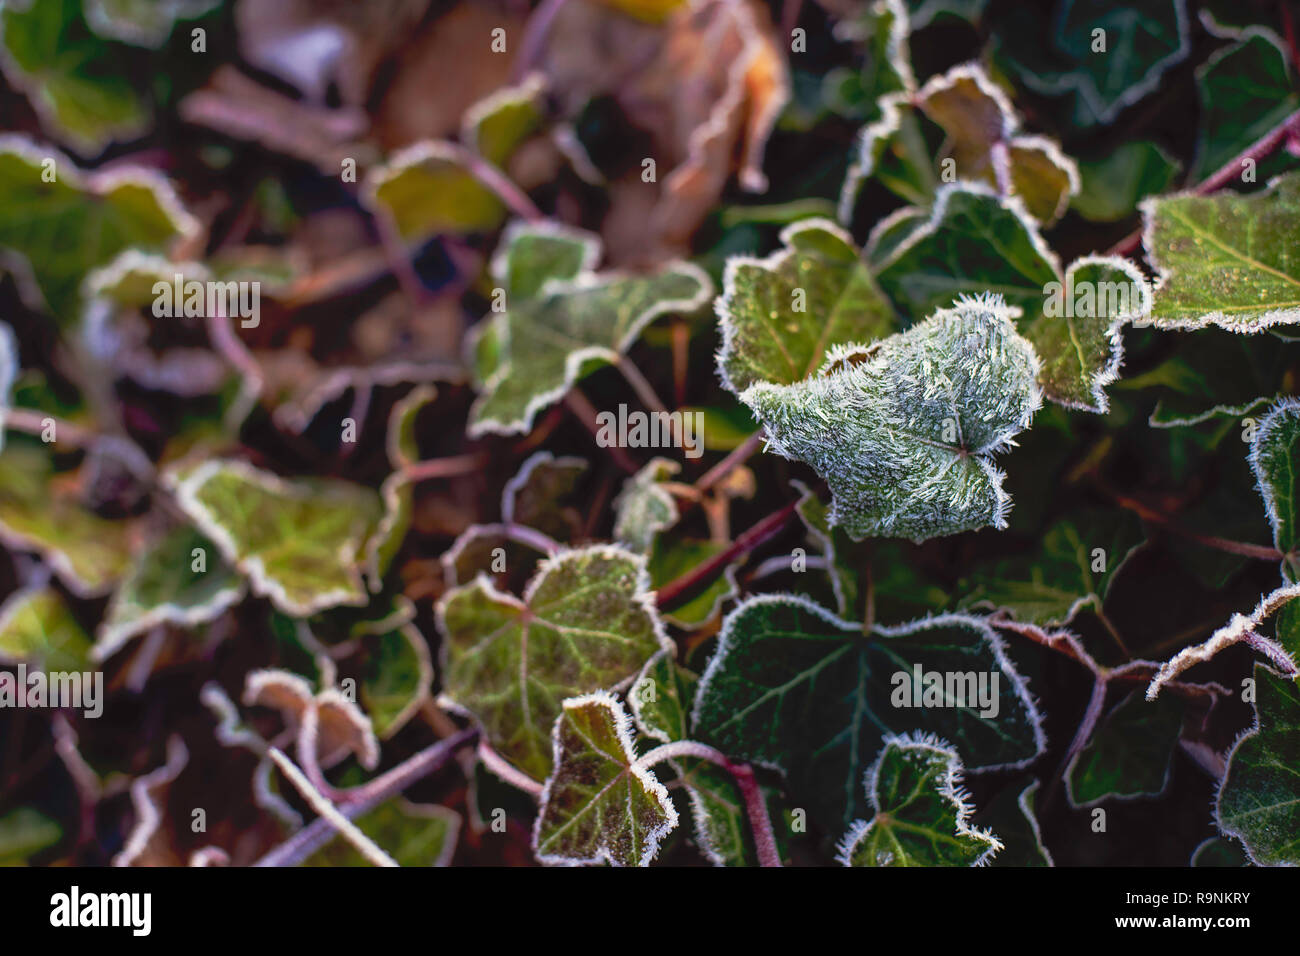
(1228, 260)
(1054, 50)
(670, 559)
(563, 325)
(1219, 852)
(586, 623)
(1259, 801)
(1245, 90)
(661, 698)
(1275, 459)
(66, 228)
(38, 512)
(904, 431)
(1071, 570)
(837, 549)
(1130, 754)
(299, 542)
(541, 493)
(146, 23)
(24, 832)
(599, 805)
(793, 687)
(397, 492)
(1112, 186)
(780, 315)
(396, 674)
(1013, 817)
(413, 834)
(180, 580)
(70, 75)
(922, 815)
(342, 729)
(427, 190)
(37, 628)
(496, 126)
(644, 507)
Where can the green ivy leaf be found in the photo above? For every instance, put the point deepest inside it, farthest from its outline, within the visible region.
(1274, 457)
(397, 492)
(904, 431)
(396, 674)
(37, 628)
(66, 228)
(180, 580)
(536, 496)
(563, 324)
(71, 76)
(496, 126)
(1259, 801)
(670, 559)
(1245, 90)
(922, 817)
(1131, 754)
(1219, 852)
(426, 190)
(24, 832)
(37, 513)
(793, 687)
(586, 623)
(1012, 816)
(1227, 259)
(1111, 187)
(599, 805)
(644, 507)
(1142, 41)
(780, 315)
(300, 543)
(413, 834)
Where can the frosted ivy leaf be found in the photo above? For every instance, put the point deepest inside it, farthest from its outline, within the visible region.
(1219, 852)
(8, 372)
(38, 513)
(792, 686)
(922, 814)
(540, 494)
(69, 75)
(644, 507)
(342, 729)
(66, 228)
(671, 558)
(427, 190)
(904, 431)
(1142, 42)
(413, 834)
(1131, 753)
(396, 674)
(397, 492)
(1112, 186)
(599, 805)
(780, 315)
(300, 543)
(1013, 817)
(496, 126)
(586, 622)
(975, 242)
(36, 628)
(1274, 454)
(1227, 260)
(146, 23)
(1259, 801)
(661, 698)
(1244, 90)
(560, 325)
(169, 584)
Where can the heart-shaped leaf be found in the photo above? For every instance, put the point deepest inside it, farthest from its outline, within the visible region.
(1131, 754)
(922, 816)
(428, 190)
(586, 623)
(599, 805)
(792, 686)
(37, 628)
(1273, 457)
(644, 507)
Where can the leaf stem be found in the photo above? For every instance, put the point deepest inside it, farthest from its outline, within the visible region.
(737, 457)
(755, 805)
(502, 768)
(645, 392)
(444, 467)
(681, 588)
(1243, 548)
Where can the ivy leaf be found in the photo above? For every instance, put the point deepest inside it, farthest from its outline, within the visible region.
(780, 315)
(922, 817)
(1219, 852)
(661, 698)
(671, 559)
(792, 686)
(1259, 801)
(1141, 42)
(924, 11)
(904, 431)
(644, 507)
(599, 805)
(586, 622)
(342, 730)
(1273, 457)
(565, 325)
(146, 23)
(397, 672)
(171, 583)
(535, 497)
(397, 493)
(426, 190)
(37, 628)
(496, 126)
(298, 542)
(1013, 818)
(38, 513)
(1245, 90)
(1072, 570)
(66, 228)
(1111, 187)
(25, 832)
(1131, 754)
(1227, 259)
(413, 834)
(71, 76)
